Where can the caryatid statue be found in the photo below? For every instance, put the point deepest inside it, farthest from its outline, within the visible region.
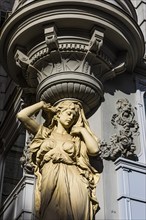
(66, 182)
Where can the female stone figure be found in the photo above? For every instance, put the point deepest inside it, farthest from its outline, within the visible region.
(66, 181)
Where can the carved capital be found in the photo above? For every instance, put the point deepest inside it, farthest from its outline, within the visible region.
(73, 57)
(72, 85)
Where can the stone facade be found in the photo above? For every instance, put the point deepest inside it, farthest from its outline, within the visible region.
(89, 51)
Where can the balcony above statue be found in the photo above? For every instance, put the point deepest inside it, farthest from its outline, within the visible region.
(25, 28)
(42, 40)
(124, 5)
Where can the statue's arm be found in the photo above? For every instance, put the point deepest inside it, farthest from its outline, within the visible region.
(25, 117)
(91, 143)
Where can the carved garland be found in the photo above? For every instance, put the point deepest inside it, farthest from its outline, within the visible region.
(122, 144)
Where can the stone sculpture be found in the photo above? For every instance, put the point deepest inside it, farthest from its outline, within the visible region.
(122, 144)
(66, 182)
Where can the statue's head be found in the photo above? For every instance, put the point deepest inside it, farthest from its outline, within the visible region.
(67, 112)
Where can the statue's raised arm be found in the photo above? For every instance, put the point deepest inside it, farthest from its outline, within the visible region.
(25, 116)
(60, 149)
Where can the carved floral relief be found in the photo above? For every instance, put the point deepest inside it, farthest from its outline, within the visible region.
(122, 143)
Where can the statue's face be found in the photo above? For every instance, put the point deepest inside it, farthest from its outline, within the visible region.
(67, 117)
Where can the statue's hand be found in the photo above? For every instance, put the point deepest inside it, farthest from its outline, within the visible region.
(45, 106)
(48, 108)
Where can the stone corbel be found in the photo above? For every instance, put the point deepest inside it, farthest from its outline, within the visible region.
(28, 70)
(22, 60)
(96, 41)
(119, 68)
(93, 49)
(51, 38)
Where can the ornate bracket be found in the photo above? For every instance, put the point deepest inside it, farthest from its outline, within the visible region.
(29, 71)
(96, 41)
(51, 38)
(22, 60)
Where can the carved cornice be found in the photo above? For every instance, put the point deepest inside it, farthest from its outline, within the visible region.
(69, 47)
(71, 72)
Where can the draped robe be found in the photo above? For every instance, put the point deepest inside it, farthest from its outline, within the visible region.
(66, 182)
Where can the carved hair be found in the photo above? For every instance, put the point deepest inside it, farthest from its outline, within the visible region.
(51, 115)
(80, 119)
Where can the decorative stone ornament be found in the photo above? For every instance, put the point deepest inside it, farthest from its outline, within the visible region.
(67, 37)
(122, 144)
(64, 70)
(51, 38)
